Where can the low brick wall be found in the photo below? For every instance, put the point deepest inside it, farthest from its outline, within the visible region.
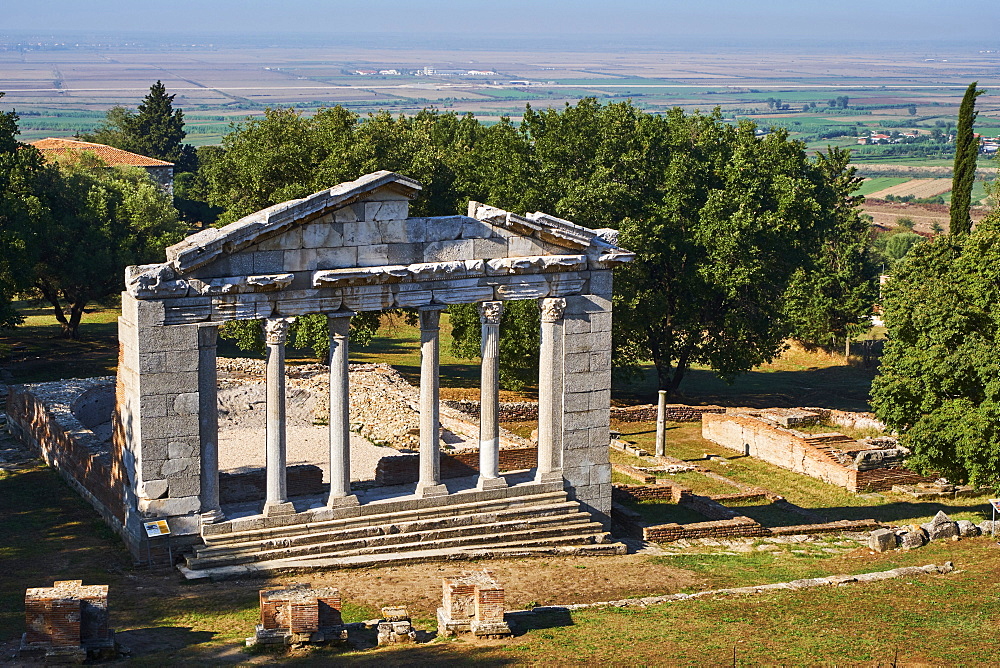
(633, 473)
(664, 492)
(81, 458)
(300, 480)
(737, 526)
(840, 526)
(882, 480)
(404, 469)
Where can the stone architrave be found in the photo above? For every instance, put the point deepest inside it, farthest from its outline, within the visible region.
(550, 391)
(429, 481)
(276, 501)
(490, 314)
(340, 426)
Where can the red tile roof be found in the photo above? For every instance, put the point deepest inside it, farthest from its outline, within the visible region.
(53, 148)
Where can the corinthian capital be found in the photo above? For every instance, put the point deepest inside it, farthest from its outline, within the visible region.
(553, 309)
(276, 330)
(490, 312)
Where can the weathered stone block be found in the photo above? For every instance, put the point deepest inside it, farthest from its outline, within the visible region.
(374, 255)
(449, 251)
(967, 529)
(303, 259)
(601, 283)
(393, 231)
(576, 402)
(489, 248)
(182, 449)
(322, 235)
(181, 360)
(443, 228)
(153, 406)
(287, 240)
(268, 262)
(184, 485)
(184, 505)
(346, 214)
(153, 489)
(403, 254)
(524, 287)
(476, 229)
(361, 233)
(576, 438)
(577, 363)
(168, 383)
(170, 427)
(523, 246)
(882, 540)
(336, 258)
(910, 540)
(412, 295)
(179, 466)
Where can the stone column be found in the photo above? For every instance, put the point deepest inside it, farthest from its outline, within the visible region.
(276, 502)
(340, 424)
(550, 392)
(489, 397)
(429, 481)
(208, 424)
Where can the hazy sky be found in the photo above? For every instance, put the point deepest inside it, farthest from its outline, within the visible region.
(853, 20)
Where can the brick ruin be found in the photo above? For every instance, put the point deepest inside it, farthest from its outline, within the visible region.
(771, 435)
(472, 603)
(67, 622)
(299, 614)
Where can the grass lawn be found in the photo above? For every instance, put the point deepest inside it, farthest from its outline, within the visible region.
(684, 441)
(874, 184)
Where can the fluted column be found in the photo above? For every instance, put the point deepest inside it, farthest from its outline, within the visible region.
(340, 426)
(276, 501)
(429, 481)
(489, 397)
(208, 424)
(550, 391)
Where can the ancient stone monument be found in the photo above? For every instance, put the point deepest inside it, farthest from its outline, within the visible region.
(350, 249)
(299, 615)
(395, 626)
(473, 603)
(67, 622)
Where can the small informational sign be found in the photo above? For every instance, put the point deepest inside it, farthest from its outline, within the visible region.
(156, 528)
(995, 503)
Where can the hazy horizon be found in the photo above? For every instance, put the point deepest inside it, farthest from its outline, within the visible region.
(475, 24)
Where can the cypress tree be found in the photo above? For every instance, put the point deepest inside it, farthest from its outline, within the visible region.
(966, 152)
(156, 130)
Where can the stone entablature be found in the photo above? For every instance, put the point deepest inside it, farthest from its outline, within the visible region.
(345, 250)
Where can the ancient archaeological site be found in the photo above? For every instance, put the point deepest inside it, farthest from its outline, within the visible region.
(350, 508)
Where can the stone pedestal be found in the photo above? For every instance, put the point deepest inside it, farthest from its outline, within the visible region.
(395, 627)
(473, 603)
(276, 501)
(67, 623)
(429, 482)
(299, 615)
(489, 397)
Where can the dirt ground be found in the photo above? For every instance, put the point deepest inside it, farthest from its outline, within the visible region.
(885, 214)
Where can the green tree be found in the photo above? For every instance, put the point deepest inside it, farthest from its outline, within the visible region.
(98, 220)
(21, 175)
(937, 382)
(155, 130)
(519, 341)
(966, 154)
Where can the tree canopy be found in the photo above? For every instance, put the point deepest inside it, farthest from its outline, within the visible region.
(939, 379)
(742, 240)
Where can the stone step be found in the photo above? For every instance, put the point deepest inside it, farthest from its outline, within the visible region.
(389, 517)
(455, 536)
(330, 534)
(540, 548)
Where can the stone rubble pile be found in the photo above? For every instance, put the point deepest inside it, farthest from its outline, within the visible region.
(941, 527)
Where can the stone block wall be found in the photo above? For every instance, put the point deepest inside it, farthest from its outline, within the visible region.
(776, 446)
(158, 382)
(586, 377)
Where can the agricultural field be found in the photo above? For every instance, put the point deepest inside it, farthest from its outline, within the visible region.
(916, 188)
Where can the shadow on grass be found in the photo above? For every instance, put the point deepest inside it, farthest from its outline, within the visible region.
(161, 638)
(839, 387)
(900, 511)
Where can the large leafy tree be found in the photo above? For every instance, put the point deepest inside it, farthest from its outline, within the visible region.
(21, 176)
(939, 379)
(966, 154)
(96, 221)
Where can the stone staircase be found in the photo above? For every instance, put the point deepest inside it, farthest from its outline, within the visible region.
(524, 525)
